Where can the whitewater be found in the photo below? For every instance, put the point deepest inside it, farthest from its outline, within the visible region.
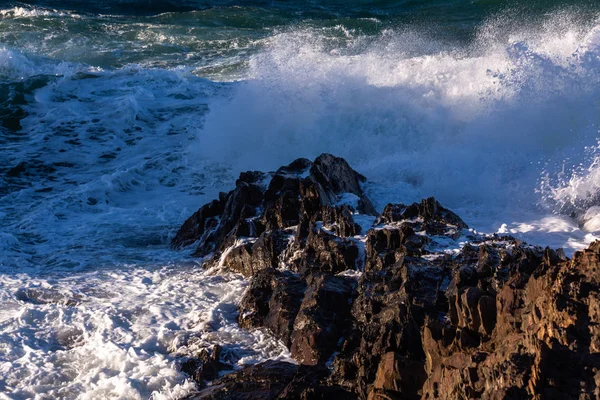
(111, 139)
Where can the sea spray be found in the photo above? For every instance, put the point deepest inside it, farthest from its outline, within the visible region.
(124, 124)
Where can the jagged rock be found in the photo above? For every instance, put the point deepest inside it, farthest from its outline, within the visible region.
(296, 196)
(396, 378)
(251, 257)
(324, 314)
(309, 384)
(340, 221)
(383, 324)
(495, 319)
(252, 177)
(272, 301)
(205, 366)
(387, 245)
(261, 382)
(335, 177)
(429, 215)
(325, 252)
(535, 324)
(273, 380)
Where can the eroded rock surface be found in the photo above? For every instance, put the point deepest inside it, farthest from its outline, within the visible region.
(408, 304)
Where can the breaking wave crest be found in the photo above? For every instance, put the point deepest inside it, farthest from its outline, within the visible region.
(482, 124)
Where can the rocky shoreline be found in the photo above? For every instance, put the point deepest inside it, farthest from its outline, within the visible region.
(405, 304)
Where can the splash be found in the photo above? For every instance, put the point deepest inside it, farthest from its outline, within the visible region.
(473, 125)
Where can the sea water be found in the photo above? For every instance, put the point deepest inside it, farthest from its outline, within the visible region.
(118, 119)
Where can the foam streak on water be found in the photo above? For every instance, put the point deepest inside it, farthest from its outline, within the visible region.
(115, 128)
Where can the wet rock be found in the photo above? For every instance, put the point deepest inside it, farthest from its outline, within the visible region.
(406, 310)
(206, 366)
(293, 198)
(386, 246)
(200, 226)
(251, 257)
(310, 384)
(334, 176)
(261, 382)
(252, 177)
(211, 225)
(339, 220)
(273, 380)
(272, 301)
(326, 252)
(324, 315)
(429, 215)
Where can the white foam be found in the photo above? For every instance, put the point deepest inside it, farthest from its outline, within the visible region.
(33, 12)
(123, 338)
(476, 127)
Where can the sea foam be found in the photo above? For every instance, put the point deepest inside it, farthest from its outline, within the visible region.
(503, 131)
(480, 126)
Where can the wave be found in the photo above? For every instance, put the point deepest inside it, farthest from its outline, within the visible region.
(97, 168)
(479, 125)
(33, 12)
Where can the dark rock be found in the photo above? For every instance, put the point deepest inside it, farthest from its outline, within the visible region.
(249, 258)
(340, 221)
(272, 301)
(325, 252)
(310, 384)
(296, 196)
(212, 223)
(334, 176)
(206, 366)
(324, 314)
(274, 380)
(429, 215)
(200, 226)
(498, 319)
(252, 177)
(261, 382)
(397, 378)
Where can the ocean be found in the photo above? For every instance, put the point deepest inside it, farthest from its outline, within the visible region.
(119, 118)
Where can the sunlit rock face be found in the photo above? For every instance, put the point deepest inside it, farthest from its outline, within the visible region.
(408, 303)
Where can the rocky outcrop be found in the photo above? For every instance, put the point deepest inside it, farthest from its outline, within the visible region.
(273, 301)
(272, 380)
(206, 366)
(410, 304)
(247, 229)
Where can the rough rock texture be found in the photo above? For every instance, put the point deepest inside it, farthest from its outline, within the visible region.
(246, 229)
(272, 380)
(273, 301)
(416, 306)
(206, 366)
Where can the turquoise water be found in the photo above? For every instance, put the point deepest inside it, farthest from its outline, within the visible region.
(209, 34)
